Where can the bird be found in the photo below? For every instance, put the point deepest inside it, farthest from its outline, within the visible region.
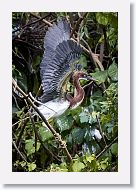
(60, 64)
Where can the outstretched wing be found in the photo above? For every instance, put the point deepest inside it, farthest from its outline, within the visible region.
(59, 56)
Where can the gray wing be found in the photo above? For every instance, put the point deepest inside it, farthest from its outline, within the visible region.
(59, 56)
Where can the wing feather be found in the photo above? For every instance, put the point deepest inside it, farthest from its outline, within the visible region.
(59, 55)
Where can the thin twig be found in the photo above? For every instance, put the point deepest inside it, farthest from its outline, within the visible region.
(20, 121)
(39, 103)
(90, 52)
(106, 148)
(101, 52)
(23, 124)
(56, 135)
(94, 56)
(39, 92)
(43, 20)
(106, 41)
(33, 124)
(93, 82)
(40, 139)
(77, 24)
(29, 24)
(19, 151)
(16, 101)
(30, 45)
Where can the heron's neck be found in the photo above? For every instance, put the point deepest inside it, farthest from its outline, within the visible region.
(79, 95)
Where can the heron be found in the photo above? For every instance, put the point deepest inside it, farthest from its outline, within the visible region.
(58, 66)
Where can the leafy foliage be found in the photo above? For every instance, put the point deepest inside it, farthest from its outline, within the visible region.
(89, 131)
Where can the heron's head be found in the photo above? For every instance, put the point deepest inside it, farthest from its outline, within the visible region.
(78, 75)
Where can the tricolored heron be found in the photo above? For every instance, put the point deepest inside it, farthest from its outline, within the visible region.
(59, 63)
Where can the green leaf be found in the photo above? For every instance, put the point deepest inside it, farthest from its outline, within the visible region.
(78, 135)
(107, 18)
(58, 168)
(36, 61)
(102, 18)
(77, 166)
(64, 122)
(14, 110)
(109, 129)
(19, 113)
(81, 34)
(90, 161)
(63, 167)
(29, 146)
(90, 158)
(22, 81)
(95, 114)
(84, 117)
(86, 32)
(36, 84)
(31, 166)
(38, 146)
(45, 133)
(105, 118)
(83, 61)
(69, 140)
(114, 149)
(104, 164)
(113, 72)
(23, 164)
(64, 170)
(100, 76)
(75, 113)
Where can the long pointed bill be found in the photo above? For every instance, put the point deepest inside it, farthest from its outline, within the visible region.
(91, 78)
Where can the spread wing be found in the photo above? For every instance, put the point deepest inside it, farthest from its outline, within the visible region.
(59, 59)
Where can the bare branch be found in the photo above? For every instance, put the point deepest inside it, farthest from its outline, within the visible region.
(56, 135)
(77, 24)
(40, 139)
(22, 125)
(19, 151)
(31, 23)
(44, 20)
(106, 148)
(101, 52)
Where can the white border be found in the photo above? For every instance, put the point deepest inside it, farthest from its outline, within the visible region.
(121, 177)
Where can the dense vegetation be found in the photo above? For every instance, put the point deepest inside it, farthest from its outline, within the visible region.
(87, 137)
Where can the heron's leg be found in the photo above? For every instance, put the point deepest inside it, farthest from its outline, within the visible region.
(34, 99)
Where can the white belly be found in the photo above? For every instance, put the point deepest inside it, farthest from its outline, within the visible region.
(53, 108)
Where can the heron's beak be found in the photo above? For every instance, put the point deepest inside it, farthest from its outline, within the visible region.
(91, 78)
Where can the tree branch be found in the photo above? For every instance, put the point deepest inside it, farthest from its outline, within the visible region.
(93, 56)
(77, 24)
(56, 135)
(40, 139)
(29, 24)
(42, 19)
(91, 53)
(106, 148)
(23, 124)
(19, 151)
